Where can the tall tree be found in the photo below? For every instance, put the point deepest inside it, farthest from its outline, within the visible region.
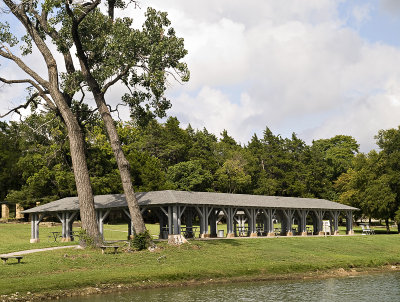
(31, 15)
(110, 51)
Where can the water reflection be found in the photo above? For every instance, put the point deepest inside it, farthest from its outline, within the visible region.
(382, 287)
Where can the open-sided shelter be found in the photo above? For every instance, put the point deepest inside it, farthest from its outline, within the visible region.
(175, 207)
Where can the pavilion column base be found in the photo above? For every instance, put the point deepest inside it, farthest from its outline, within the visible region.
(271, 234)
(253, 235)
(34, 240)
(303, 234)
(230, 235)
(321, 233)
(335, 233)
(205, 236)
(176, 239)
(350, 232)
(66, 239)
(289, 234)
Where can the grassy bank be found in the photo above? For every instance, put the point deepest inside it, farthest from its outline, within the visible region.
(197, 261)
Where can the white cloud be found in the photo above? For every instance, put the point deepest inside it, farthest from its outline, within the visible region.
(294, 66)
(301, 68)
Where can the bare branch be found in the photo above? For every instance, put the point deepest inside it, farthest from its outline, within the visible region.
(173, 75)
(9, 55)
(23, 106)
(116, 79)
(116, 110)
(42, 19)
(41, 45)
(42, 93)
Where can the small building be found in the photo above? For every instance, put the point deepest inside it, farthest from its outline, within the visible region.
(177, 210)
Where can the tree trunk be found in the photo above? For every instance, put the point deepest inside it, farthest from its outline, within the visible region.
(77, 144)
(123, 164)
(81, 173)
(387, 225)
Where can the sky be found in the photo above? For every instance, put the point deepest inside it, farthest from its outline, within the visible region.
(318, 68)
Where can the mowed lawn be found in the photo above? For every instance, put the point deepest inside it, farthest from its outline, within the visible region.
(199, 260)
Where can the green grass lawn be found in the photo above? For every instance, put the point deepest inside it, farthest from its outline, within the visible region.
(198, 260)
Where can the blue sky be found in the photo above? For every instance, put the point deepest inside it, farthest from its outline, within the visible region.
(380, 23)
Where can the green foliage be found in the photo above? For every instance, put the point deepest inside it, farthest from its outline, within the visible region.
(189, 176)
(36, 164)
(141, 241)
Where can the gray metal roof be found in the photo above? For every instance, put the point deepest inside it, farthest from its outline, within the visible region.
(157, 198)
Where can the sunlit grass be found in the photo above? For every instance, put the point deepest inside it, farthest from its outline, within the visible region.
(198, 260)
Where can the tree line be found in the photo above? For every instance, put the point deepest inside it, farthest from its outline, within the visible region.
(36, 163)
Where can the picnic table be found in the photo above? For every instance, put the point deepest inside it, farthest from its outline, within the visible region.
(55, 235)
(242, 231)
(277, 231)
(189, 232)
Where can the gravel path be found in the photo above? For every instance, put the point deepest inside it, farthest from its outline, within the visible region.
(40, 250)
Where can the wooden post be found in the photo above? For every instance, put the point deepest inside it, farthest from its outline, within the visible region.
(170, 221)
(251, 215)
(288, 216)
(269, 216)
(349, 223)
(35, 220)
(229, 214)
(335, 219)
(175, 220)
(213, 223)
(319, 214)
(303, 221)
(100, 220)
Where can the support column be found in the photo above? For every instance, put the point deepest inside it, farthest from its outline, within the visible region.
(251, 215)
(349, 223)
(18, 210)
(5, 211)
(269, 224)
(319, 214)
(170, 221)
(204, 213)
(229, 214)
(213, 223)
(35, 220)
(335, 220)
(131, 229)
(175, 221)
(101, 216)
(288, 216)
(303, 221)
(189, 222)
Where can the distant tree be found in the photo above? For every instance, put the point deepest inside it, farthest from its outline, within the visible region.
(189, 176)
(232, 177)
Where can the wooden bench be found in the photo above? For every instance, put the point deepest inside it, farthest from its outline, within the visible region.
(104, 247)
(5, 258)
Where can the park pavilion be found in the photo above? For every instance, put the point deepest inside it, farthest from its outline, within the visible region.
(178, 211)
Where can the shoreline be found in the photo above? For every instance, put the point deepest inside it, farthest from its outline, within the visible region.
(109, 288)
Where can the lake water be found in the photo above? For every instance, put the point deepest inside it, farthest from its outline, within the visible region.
(377, 287)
